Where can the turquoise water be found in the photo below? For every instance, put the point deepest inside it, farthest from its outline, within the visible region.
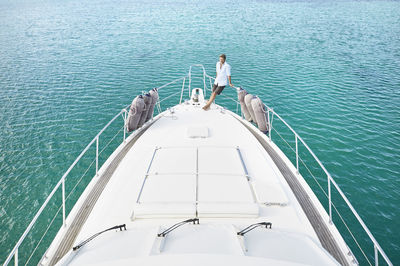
(331, 69)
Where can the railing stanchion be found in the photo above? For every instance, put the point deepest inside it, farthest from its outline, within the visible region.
(16, 258)
(297, 155)
(270, 125)
(159, 107)
(183, 87)
(125, 124)
(330, 198)
(190, 81)
(378, 251)
(97, 155)
(63, 200)
(204, 82)
(14, 252)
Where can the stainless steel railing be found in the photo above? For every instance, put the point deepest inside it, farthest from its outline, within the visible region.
(271, 114)
(61, 182)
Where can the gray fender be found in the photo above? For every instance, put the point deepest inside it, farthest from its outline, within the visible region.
(241, 95)
(135, 113)
(247, 100)
(147, 104)
(154, 97)
(260, 114)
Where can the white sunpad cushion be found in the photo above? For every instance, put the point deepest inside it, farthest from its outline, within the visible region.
(163, 209)
(176, 160)
(219, 160)
(167, 196)
(270, 193)
(225, 196)
(224, 188)
(217, 209)
(169, 188)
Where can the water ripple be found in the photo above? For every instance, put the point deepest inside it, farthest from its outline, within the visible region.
(329, 68)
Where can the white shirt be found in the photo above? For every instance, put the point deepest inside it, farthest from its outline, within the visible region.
(222, 74)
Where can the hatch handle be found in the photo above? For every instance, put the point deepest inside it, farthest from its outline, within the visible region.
(120, 227)
(253, 226)
(165, 232)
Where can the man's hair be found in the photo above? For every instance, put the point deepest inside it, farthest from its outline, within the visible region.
(223, 56)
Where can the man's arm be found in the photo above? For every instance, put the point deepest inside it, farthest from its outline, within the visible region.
(228, 72)
(230, 81)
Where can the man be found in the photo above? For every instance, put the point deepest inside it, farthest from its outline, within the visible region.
(223, 73)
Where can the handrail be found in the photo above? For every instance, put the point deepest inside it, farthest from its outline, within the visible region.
(377, 247)
(376, 244)
(330, 179)
(204, 78)
(169, 83)
(61, 182)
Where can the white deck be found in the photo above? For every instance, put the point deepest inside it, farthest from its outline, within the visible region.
(206, 164)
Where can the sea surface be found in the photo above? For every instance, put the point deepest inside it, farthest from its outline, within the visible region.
(331, 69)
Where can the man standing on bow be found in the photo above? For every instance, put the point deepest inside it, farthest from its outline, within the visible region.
(223, 73)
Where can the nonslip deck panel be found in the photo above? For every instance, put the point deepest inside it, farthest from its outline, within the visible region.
(83, 213)
(320, 228)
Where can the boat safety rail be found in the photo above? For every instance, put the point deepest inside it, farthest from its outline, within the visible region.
(124, 113)
(204, 78)
(61, 183)
(271, 114)
(158, 104)
(330, 180)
